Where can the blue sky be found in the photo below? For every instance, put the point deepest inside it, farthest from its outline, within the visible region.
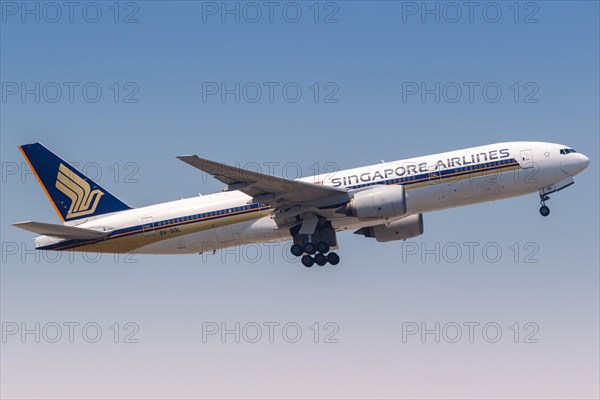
(353, 73)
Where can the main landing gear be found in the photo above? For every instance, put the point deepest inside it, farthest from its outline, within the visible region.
(315, 248)
(320, 258)
(544, 209)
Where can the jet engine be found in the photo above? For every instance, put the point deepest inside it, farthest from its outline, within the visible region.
(381, 202)
(401, 229)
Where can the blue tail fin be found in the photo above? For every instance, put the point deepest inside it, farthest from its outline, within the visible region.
(72, 194)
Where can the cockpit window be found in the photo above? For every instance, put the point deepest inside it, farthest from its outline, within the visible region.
(567, 151)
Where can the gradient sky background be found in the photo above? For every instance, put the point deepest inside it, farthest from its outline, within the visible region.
(371, 50)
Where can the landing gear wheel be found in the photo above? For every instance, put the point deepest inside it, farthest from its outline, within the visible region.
(310, 248)
(333, 258)
(297, 250)
(323, 247)
(308, 261)
(544, 210)
(320, 259)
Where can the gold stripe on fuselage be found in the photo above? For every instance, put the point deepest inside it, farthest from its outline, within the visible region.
(127, 241)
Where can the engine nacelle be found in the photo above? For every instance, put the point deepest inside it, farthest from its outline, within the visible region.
(381, 202)
(401, 229)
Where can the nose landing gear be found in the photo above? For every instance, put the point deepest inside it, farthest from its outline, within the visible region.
(545, 191)
(544, 209)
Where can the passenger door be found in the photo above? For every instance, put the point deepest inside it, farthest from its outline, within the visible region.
(526, 159)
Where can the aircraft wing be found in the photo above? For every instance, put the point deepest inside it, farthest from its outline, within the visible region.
(61, 231)
(279, 193)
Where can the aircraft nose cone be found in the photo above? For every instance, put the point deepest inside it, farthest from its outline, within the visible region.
(581, 163)
(584, 162)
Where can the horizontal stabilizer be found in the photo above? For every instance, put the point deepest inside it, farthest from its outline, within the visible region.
(61, 231)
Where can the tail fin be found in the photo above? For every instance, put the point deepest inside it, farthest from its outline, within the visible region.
(72, 194)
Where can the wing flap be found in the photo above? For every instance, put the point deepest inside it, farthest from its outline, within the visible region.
(60, 231)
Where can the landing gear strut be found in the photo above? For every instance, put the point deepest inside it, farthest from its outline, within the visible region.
(544, 209)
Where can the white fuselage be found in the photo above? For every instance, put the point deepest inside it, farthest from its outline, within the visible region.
(433, 182)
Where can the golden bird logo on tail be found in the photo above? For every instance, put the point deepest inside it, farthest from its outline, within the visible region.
(83, 200)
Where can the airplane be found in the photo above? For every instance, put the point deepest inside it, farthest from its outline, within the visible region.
(385, 201)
